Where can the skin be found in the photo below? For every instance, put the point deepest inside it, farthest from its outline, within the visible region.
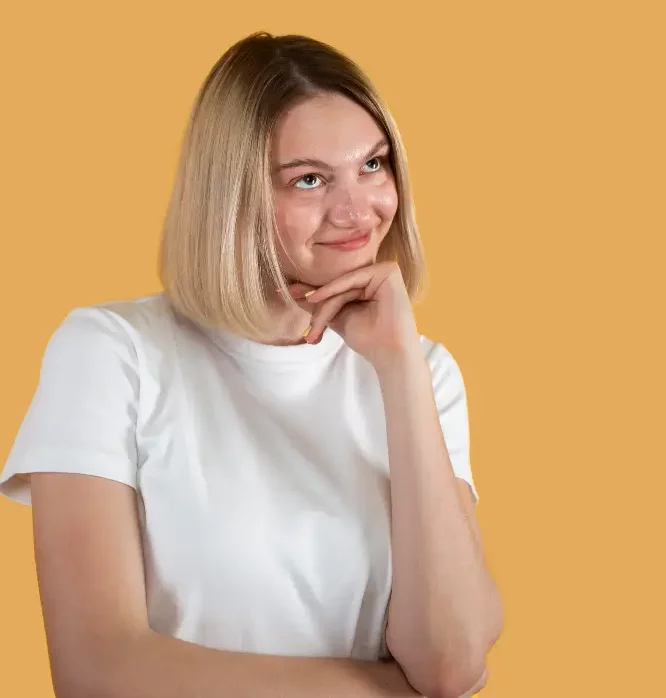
(444, 612)
(318, 204)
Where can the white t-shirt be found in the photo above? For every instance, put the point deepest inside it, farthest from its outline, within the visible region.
(261, 471)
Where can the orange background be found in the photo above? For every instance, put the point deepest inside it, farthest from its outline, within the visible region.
(535, 137)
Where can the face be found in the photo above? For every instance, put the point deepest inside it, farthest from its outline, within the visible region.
(335, 194)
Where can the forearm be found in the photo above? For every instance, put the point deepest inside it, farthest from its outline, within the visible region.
(157, 666)
(443, 606)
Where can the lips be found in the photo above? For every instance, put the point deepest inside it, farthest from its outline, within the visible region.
(356, 235)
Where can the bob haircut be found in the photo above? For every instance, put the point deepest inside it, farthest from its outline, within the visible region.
(217, 258)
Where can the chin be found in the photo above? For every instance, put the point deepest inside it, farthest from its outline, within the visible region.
(319, 277)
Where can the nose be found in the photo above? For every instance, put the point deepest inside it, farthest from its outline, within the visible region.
(350, 207)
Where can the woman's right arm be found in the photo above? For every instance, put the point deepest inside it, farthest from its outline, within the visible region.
(91, 581)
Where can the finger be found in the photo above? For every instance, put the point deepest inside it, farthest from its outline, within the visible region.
(327, 311)
(299, 289)
(296, 292)
(369, 279)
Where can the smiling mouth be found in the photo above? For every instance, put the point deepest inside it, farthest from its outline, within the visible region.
(351, 243)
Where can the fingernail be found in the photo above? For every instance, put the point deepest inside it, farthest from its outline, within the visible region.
(307, 331)
(309, 293)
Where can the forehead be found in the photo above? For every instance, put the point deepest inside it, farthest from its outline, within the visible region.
(331, 127)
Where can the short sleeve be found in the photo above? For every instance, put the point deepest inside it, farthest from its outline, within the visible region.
(451, 401)
(82, 417)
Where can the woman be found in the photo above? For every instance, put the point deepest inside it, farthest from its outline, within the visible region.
(240, 534)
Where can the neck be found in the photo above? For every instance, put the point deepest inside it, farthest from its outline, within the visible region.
(289, 325)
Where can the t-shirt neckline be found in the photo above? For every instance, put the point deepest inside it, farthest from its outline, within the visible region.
(240, 346)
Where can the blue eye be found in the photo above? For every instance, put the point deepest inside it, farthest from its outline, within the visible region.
(379, 164)
(378, 161)
(303, 178)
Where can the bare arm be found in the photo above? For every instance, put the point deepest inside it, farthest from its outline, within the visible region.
(90, 572)
(445, 612)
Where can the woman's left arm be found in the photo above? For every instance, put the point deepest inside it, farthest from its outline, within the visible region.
(445, 612)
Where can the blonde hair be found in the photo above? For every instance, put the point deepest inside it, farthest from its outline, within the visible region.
(218, 261)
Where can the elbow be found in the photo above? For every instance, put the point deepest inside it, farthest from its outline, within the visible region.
(467, 676)
(445, 678)
(461, 674)
(458, 682)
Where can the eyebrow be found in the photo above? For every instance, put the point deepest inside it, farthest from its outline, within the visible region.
(314, 162)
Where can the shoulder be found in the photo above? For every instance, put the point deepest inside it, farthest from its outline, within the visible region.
(135, 316)
(117, 342)
(451, 401)
(440, 359)
(130, 323)
(448, 382)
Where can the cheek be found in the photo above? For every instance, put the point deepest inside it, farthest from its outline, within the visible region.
(386, 201)
(297, 221)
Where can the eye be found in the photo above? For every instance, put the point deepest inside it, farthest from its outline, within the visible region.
(379, 161)
(306, 177)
